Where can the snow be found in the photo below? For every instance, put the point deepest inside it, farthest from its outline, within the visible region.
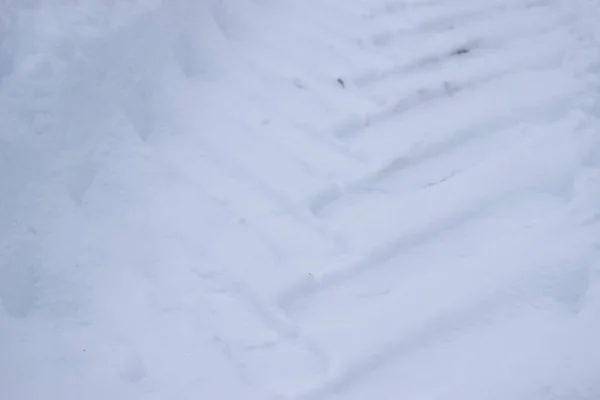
(316, 199)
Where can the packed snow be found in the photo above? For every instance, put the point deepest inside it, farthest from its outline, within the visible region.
(299, 199)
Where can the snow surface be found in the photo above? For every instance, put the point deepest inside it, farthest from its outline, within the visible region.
(299, 199)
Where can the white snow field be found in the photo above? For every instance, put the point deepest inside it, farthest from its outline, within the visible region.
(299, 199)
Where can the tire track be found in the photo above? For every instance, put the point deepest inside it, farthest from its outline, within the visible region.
(450, 21)
(437, 225)
(326, 199)
(441, 46)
